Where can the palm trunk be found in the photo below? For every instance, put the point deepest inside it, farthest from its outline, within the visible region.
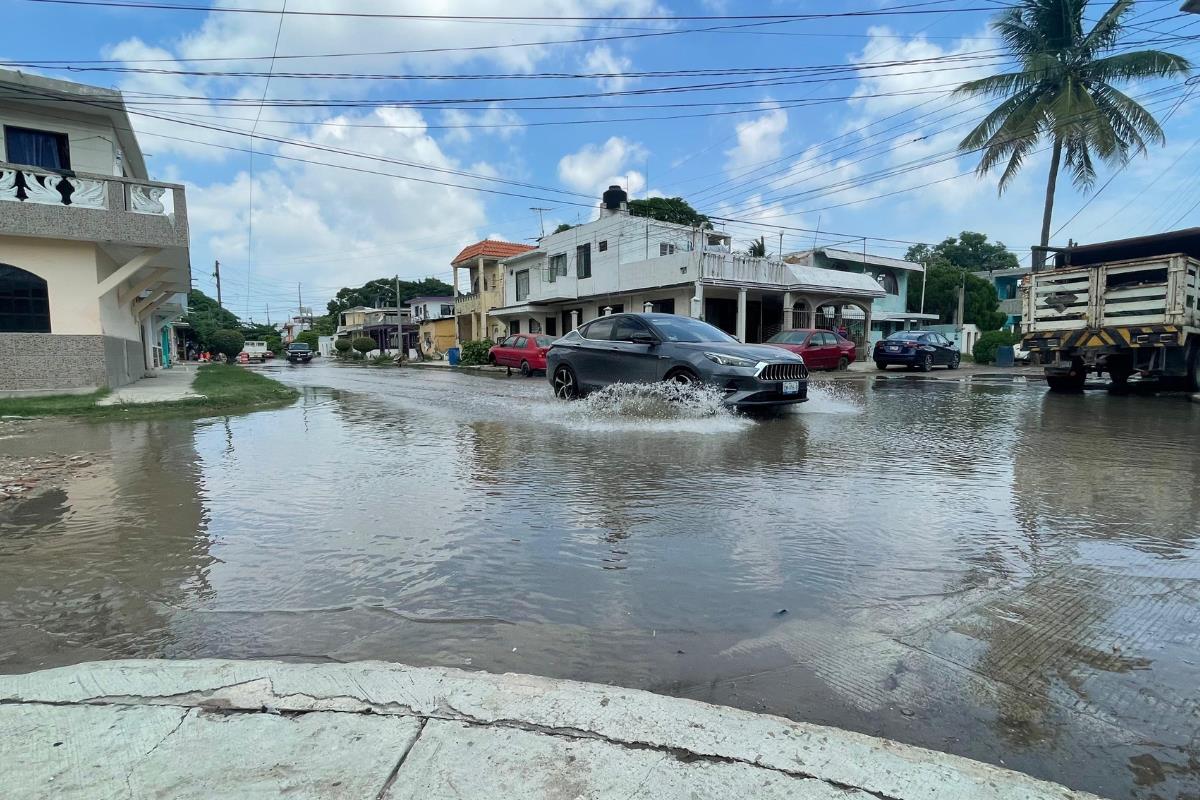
(1051, 182)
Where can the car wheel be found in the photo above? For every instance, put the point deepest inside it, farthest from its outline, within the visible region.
(880, 365)
(927, 362)
(491, 360)
(566, 385)
(525, 369)
(843, 364)
(683, 377)
(954, 362)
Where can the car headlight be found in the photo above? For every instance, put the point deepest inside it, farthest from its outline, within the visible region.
(727, 360)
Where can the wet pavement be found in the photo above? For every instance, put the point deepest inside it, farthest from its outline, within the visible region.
(987, 570)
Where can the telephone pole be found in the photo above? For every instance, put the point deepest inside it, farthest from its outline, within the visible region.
(217, 274)
(299, 302)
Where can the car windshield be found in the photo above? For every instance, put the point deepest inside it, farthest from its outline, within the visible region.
(788, 337)
(686, 329)
(297, 347)
(906, 336)
(544, 341)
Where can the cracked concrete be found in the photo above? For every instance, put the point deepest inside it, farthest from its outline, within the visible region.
(372, 729)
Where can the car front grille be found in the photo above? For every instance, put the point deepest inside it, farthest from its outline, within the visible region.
(783, 372)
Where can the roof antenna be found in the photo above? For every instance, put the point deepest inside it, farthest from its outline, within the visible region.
(818, 230)
(541, 224)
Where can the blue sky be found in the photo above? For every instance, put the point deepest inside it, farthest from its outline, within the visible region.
(852, 133)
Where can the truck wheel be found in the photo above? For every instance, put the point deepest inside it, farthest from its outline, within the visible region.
(1071, 382)
(1119, 370)
(1193, 370)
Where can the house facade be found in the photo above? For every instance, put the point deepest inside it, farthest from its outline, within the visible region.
(436, 326)
(889, 313)
(1008, 289)
(624, 263)
(94, 262)
(391, 329)
(479, 287)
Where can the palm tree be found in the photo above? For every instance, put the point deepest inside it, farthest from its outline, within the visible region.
(1065, 91)
(758, 248)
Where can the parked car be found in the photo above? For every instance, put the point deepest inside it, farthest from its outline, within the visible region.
(254, 350)
(299, 353)
(921, 350)
(647, 348)
(820, 349)
(526, 352)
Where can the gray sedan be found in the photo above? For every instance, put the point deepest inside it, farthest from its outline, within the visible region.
(646, 348)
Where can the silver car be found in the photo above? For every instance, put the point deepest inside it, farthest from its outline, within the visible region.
(646, 348)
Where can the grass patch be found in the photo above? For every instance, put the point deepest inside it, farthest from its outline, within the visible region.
(225, 388)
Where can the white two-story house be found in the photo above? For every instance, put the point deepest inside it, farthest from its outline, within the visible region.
(93, 255)
(620, 262)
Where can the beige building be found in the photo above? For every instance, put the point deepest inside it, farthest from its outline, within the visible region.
(93, 255)
(480, 288)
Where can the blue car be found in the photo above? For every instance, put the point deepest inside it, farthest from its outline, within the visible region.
(647, 348)
(921, 350)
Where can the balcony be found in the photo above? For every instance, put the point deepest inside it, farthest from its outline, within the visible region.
(96, 208)
(467, 304)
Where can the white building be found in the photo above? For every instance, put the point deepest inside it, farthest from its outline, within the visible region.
(93, 255)
(624, 263)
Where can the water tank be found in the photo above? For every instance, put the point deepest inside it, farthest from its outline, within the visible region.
(615, 197)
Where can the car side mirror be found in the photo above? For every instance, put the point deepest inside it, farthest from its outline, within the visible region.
(644, 338)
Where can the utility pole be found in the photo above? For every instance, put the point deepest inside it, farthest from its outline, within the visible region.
(924, 273)
(781, 244)
(299, 302)
(217, 274)
(268, 313)
(398, 311)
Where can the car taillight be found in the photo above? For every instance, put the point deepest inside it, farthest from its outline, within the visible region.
(543, 350)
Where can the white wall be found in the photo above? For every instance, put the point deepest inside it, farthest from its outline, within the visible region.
(92, 139)
(115, 320)
(70, 271)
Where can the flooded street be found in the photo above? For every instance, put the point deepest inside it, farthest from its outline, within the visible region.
(987, 570)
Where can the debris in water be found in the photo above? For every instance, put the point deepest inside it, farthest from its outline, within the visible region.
(781, 612)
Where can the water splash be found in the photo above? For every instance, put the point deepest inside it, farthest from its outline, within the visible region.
(663, 407)
(831, 398)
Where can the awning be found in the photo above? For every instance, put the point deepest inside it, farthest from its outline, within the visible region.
(833, 281)
(517, 311)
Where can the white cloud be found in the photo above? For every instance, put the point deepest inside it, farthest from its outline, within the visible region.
(758, 139)
(592, 168)
(601, 59)
(506, 124)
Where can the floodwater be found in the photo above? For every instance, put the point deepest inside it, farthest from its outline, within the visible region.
(987, 570)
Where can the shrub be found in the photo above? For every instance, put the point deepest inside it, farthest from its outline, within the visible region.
(364, 344)
(342, 346)
(226, 342)
(384, 360)
(475, 353)
(275, 344)
(310, 338)
(985, 347)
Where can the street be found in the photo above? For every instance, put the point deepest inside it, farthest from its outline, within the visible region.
(959, 566)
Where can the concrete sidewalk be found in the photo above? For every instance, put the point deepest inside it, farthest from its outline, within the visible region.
(966, 372)
(161, 386)
(213, 728)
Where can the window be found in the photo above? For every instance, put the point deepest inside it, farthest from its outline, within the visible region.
(551, 326)
(447, 310)
(663, 306)
(666, 249)
(888, 281)
(603, 246)
(544, 341)
(522, 285)
(534, 326)
(36, 148)
(520, 343)
(558, 266)
(24, 302)
(601, 329)
(628, 327)
(583, 261)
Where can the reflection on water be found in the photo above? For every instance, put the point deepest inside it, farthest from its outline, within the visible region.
(975, 569)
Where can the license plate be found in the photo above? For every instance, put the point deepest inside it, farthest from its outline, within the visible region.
(791, 387)
(891, 348)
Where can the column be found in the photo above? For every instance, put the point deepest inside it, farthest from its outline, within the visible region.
(741, 314)
(697, 308)
(574, 318)
(788, 322)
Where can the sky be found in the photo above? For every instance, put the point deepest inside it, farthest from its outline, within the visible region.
(322, 150)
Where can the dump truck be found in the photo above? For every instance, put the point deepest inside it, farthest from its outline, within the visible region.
(1124, 308)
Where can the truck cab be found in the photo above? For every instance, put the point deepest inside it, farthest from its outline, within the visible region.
(299, 353)
(1124, 308)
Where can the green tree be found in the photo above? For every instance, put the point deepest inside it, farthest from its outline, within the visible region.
(382, 292)
(942, 282)
(669, 209)
(1065, 91)
(562, 226)
(969, 250)
(324, 325)
(364, 344)
(275, 344)
(205, 318)
(342, 345)
(309, 338)
(227, 342)
(758, 248)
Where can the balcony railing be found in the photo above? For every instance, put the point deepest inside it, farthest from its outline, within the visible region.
(41, 203)
(466, 303)
(744, 270)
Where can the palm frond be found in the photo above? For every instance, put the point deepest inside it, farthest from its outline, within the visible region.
(1007, 83)
(1142, 125)
(999, 117)
(1104, 33)
(1078, 159)
(1137, 65)
(1019, 38)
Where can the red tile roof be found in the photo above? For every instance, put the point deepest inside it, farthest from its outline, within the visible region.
(490, 248)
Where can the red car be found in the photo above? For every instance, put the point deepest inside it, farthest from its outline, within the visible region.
(526, 352)
(820, 349)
